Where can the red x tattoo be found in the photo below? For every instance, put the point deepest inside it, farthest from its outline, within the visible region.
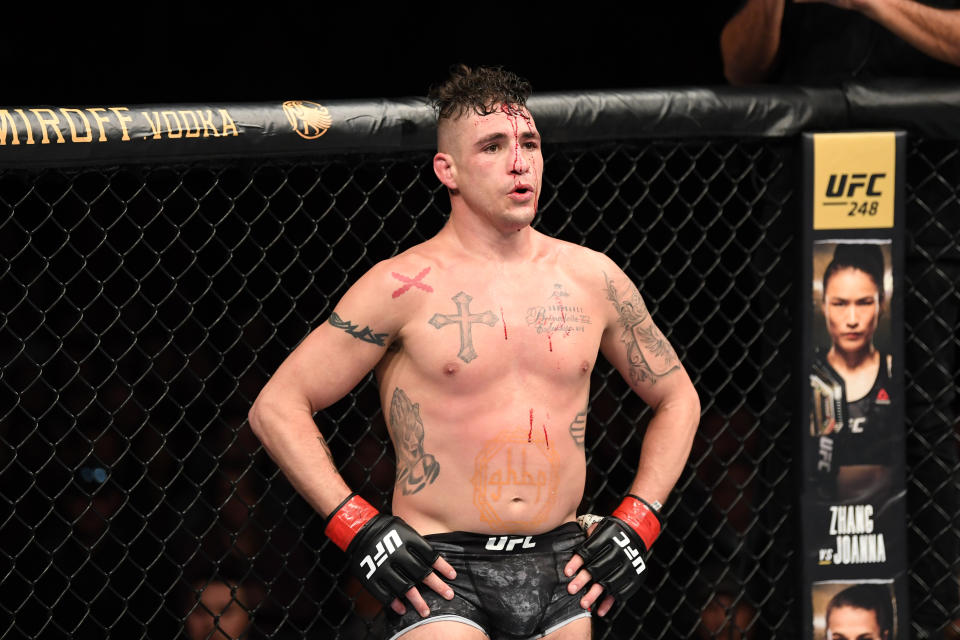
(411, 282)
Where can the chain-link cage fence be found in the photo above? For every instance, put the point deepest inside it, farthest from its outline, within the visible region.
(145, 306)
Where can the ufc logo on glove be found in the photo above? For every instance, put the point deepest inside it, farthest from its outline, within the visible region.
(637, 560)
(387, 545)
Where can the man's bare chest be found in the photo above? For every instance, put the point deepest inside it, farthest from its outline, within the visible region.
(479, 328)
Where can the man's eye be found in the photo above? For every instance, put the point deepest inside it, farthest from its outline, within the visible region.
(530, 145)
(492, 148)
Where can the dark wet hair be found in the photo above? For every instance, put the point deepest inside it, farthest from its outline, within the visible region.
(865, 257)
(871, 597)
(479, 90)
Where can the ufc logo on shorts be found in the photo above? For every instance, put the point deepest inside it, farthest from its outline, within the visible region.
(633, 554)
(387, 545)
(501, 543)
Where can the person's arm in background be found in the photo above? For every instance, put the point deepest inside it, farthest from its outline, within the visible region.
(750, 41)
(934, 31)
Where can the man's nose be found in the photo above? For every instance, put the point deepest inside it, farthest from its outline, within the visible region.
(520, 163)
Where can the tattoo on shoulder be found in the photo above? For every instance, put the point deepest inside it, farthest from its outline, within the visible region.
(648, 351)
(366, 334)
(415, 468)
(578, 429)
(415, 281)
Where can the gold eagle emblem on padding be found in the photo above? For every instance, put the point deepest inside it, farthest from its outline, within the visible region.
(309, 119)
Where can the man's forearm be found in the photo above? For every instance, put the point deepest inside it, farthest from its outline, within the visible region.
(634, 525)
(935, 32)
(750, 41)
(666, 447)
(292, 439)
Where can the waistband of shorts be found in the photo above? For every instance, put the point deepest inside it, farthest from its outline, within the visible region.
(514, 543)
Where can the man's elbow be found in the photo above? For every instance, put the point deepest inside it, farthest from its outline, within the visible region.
(737, 76)
(747, 63)
(684, 404)
(259, 414)
(255, 417)
(742, 73)
(691, 403)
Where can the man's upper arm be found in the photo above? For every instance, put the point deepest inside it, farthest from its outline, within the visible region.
(634, 344)
(337, 354)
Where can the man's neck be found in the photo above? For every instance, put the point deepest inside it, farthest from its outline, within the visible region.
(487, 242)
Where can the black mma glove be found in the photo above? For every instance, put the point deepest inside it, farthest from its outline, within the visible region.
(386, 554)
(615, 553)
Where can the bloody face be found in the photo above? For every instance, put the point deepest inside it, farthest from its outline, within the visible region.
(498, 165)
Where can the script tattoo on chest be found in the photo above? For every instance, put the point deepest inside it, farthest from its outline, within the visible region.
(558, 315)
(415, 468)
(649, 353)
(366, 334)
(465, 320)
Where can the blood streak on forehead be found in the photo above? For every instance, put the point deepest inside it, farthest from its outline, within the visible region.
(513, 112)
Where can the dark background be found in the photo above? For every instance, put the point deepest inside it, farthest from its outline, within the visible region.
(160, 52)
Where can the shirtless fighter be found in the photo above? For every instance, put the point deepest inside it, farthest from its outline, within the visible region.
(483, 339)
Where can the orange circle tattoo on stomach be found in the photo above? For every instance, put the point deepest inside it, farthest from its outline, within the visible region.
(515, 481)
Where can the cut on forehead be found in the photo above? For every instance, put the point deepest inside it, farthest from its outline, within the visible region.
(454, 131)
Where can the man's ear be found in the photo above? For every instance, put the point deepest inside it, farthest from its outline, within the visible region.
(444, 168)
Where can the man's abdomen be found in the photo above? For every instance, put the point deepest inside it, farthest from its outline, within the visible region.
(525, 477)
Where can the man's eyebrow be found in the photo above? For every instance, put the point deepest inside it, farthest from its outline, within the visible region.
(502, 137)
(493, 137)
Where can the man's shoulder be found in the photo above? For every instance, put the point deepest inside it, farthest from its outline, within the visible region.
(414, 270)
(428, 253)
(575, 251)
(586, 262)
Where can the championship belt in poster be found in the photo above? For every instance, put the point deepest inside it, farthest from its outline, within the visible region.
(852, 455)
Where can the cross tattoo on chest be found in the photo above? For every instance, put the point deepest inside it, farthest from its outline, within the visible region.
(466, 320)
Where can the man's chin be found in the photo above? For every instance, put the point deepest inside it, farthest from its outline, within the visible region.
(521, 218)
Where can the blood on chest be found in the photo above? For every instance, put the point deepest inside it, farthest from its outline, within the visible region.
(474, 349)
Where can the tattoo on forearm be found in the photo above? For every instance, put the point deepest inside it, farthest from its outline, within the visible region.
(649, 353)
(415, 468)
(466, 321)
(366, 334)
(578, 429)
(326, 448)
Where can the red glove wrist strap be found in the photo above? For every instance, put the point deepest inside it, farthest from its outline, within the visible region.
(641, 518)
(347, 520)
